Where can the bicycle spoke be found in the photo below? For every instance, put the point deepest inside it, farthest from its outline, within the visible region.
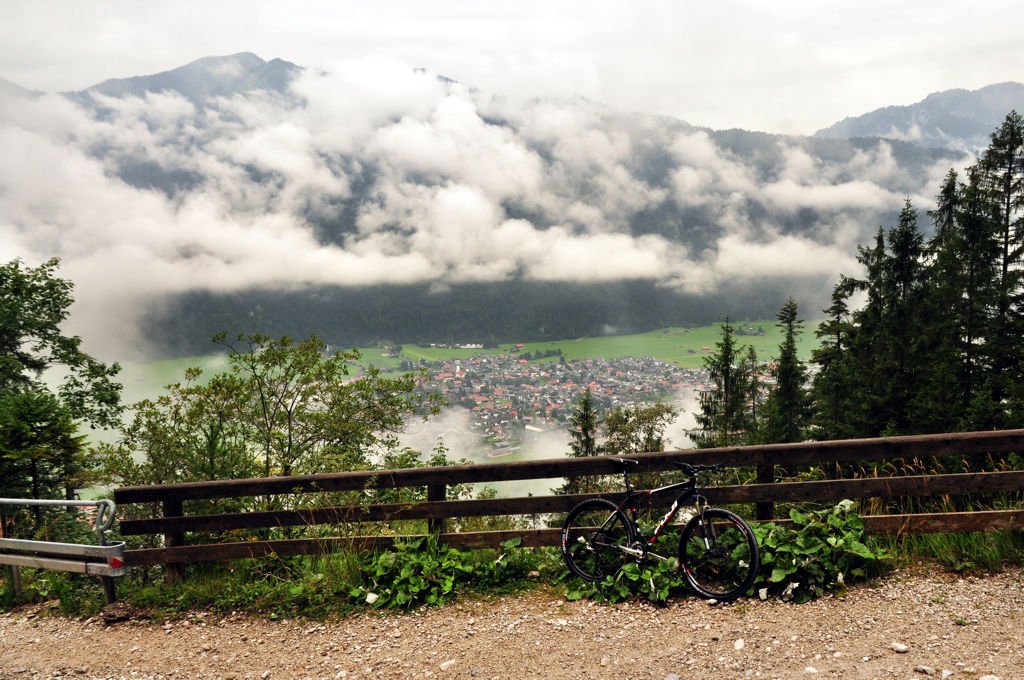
(718, 554)
(593, 538)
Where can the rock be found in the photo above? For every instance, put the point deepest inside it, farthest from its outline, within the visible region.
(989, 677)
(372, 597)
(946, 673)
(927, 670)
(899, 648)
(447, 664)
(673, 676)
(811, 669)
(739, 644)
(605, 660)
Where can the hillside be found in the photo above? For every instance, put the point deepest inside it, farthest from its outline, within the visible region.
(380, 201)
(958, 119)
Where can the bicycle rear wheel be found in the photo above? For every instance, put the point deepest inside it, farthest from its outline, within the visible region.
(593, 536)
(718, 554)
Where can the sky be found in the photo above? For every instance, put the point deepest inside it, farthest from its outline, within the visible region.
(786, 66)
(524, 168)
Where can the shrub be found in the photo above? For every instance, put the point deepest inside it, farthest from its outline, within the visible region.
(823, 550)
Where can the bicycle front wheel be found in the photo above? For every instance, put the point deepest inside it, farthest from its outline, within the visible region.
(593, 538)
(718, 555)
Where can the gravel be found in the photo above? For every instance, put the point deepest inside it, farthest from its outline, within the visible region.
(955, 627)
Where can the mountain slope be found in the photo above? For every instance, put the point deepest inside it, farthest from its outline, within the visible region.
(205, 79)
(960, 119)
(377, 200)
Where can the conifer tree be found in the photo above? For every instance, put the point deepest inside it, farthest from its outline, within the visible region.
(724, 415)
(830, 387)
(583, 423)
(786, 411)
(1002, 169)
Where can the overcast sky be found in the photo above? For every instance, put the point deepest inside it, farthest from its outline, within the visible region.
(783, 66)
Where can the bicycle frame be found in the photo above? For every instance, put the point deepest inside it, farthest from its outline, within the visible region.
(689, 495)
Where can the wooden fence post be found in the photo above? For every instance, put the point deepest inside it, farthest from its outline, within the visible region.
(437, 492)
(765, 475)
(175, 572)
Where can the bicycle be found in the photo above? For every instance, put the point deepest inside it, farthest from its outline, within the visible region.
(717, 553)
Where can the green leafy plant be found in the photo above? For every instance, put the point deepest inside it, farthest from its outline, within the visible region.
(823, 550)
(416, 572)
(653, 581)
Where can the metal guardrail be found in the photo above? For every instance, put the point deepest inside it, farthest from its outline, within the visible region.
(101, 560)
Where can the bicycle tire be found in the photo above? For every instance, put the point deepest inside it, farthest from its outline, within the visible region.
(725, 565)
(591, 536)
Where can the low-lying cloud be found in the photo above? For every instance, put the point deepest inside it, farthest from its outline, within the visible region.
(372, 172)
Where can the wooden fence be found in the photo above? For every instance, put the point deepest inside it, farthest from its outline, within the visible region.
(768, 460)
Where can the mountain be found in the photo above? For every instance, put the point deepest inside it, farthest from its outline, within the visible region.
(9, 89)
(381, 201)
(203, 79)
(959, 119)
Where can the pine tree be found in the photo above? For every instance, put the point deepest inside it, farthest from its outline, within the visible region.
(583, 430)
(583, 424)
(940, 403)
(903, 286)
(724, 415)
(786, 411)
(1002, 170)
(830, 387)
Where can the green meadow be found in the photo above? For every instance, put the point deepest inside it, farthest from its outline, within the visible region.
(686, 347)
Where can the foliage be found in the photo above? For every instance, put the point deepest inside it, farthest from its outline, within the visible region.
(960, 552)
(421, 571)
(823, 550)
(41, 453)
(282, 407)
(34, 302)
(787, 408)
(936, 345)
(654, 581)
(637, 429)
(727, 409)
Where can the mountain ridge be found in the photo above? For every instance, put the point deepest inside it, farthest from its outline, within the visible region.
(956, 118)
(383, 201)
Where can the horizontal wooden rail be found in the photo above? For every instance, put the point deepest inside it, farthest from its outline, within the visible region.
(882, 487)
(807, 453)
(893, 525)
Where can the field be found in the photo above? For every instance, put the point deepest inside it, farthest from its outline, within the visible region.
(686, 347)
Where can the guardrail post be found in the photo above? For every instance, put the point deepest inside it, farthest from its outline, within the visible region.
(437, 492)
(765, 475)
(16, 580)
(173, 508)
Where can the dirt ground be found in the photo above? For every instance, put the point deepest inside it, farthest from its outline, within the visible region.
(909, 625)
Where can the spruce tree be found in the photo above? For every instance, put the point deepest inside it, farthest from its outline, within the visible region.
(1002, 168)
(583, 423)
(786, 411)
(830, 386)
(724, 415)
(902, 322)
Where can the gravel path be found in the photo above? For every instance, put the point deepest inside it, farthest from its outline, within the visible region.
(909, 625)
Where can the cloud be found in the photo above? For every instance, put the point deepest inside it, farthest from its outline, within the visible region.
(372, 172)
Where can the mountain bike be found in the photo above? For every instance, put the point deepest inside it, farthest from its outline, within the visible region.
(717, 551)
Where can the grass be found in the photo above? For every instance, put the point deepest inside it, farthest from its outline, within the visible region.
(989, 551)
(684, 347)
